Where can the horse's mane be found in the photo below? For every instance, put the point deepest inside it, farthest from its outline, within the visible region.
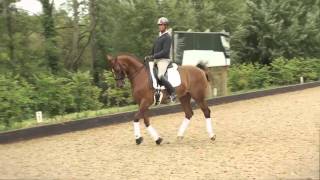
(130, 55)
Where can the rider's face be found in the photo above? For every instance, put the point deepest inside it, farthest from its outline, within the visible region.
(162, 27)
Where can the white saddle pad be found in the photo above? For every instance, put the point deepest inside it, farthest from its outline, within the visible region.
(173, 76)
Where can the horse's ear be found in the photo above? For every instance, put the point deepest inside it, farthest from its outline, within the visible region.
(109, 57)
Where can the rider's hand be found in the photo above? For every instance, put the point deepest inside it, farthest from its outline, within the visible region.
(148, 58)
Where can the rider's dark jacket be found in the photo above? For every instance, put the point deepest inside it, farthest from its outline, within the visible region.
(161, 47)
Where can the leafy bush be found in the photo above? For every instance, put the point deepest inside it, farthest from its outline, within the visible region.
(248, 76)
(86, 95)
(16, 99)
(53, 95)
(286, 71)
(114, 96)
(280, 72)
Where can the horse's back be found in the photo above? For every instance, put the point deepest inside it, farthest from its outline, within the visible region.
(193, 73)
(193, 79)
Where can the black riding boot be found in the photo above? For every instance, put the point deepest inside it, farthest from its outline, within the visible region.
(169, 88)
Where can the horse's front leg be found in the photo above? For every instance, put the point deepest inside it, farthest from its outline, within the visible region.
(151, 130)
(136, 127)
(143, 113)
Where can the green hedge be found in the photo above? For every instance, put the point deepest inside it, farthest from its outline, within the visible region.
(52, 95)
(16, 99)
(57, 95)
(113, 96)
(280, 72)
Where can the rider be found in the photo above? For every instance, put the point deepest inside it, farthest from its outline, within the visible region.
(161, 54)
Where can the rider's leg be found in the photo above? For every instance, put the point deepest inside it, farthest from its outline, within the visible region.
(162, 68)
(168, 86)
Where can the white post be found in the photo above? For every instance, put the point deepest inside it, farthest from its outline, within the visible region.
(215, 92)
(39, 116)
(301, 80)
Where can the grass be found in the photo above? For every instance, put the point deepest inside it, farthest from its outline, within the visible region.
(28, 123)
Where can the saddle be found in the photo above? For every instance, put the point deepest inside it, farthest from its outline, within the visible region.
(172, 75)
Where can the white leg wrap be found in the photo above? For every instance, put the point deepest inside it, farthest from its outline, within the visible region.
(153, 133)
(137, 132)
(209, 127)
(183, 126)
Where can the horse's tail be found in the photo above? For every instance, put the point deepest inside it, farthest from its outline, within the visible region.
(204, 67)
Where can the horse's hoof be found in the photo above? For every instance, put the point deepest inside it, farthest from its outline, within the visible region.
(179, 138)
(139, 140)
(159, 140)
(213, 138)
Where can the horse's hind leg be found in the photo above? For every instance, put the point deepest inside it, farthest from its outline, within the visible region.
(185, 102)
(206, 111)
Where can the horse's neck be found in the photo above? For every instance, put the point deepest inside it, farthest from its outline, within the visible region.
(136, 72)
(132, 65)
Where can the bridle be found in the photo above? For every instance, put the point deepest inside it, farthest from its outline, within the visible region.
(122, 77)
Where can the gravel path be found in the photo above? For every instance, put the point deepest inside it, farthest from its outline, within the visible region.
(273, 137)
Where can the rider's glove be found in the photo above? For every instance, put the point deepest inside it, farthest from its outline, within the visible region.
(148, 58)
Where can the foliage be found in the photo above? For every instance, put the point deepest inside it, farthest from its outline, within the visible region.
(286, 71)
(248, 76)
(217, 15)
(113, 96)
(280, 72)
(53, 95)
(85, 95)
(51, 50)
(276, 28)
(16, 99)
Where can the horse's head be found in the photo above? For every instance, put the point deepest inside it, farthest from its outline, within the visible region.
(118, 71)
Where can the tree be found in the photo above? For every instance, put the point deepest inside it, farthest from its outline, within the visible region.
(181, 14)
(8, 31)
(93, 36)
(75, 36)
(51, 50)
(218, 15)
(277, 28)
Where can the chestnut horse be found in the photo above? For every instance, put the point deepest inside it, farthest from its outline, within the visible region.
(194, 83)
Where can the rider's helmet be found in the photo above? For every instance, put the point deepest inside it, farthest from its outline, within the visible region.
(163, 20)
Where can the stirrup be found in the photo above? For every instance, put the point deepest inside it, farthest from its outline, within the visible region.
(158, 97)
(173, 97)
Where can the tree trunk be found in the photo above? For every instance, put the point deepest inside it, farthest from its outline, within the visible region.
(76, 37)
(51, 50)
(93, 20)
(8, 21)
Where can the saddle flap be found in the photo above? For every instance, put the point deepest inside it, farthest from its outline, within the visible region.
(172, 75)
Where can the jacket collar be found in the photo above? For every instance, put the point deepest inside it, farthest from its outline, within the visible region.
(161, 34)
